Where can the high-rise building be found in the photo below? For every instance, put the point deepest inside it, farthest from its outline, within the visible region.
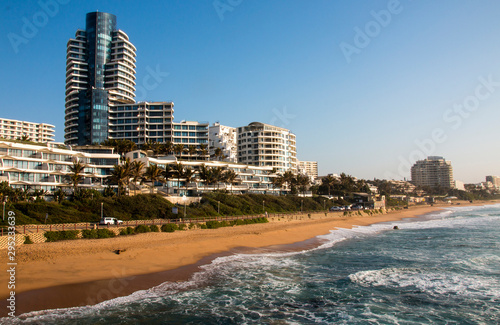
(494, 180)
(309, 168)
(433, 171)
(224, 138)
(100, 72)
(37, 132)
(265, 145)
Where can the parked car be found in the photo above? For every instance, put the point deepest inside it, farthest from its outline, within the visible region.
(337, 208)
(110, 221)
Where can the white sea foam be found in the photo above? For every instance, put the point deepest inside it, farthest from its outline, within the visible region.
(433, 283)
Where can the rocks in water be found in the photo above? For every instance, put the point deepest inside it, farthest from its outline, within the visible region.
(395, 227)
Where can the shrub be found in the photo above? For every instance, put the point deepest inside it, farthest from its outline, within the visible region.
(98, 233)
(27, 240)
(212, 224)
(127, 231)
(203, 226)
(169, 227)
(154, 228)
(53, 236)
(182, 226)
(142, 229)
(192, 225)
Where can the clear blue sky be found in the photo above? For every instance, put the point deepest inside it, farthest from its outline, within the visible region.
(285, 62)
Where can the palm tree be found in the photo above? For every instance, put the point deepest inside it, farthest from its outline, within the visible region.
(187, 174)
(5, 190)
(38, 194)
(119, 175)
(278, 182)
(217, 175)
(302, 181)
(230, 176)
(127, 166)
(192, 150)
(289, 180)
(167, 147)
(154, 174)
(206, 174)
(178, 170)
(203, 151)
(179, 149)
(136, 170)
(167, 173)
(76, 174)
(218, 153)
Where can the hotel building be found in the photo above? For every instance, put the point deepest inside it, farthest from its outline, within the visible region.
(433, 171)
(100, 72)
(309, 168)
(47, 166)
(224, 138)
(37, 132)
(265, 145)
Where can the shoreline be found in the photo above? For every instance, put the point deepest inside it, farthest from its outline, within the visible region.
(86, 272)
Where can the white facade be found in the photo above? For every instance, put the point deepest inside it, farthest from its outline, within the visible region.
(37, 132)
(224, 138)
(433, 171)
(309, 168)
(265, 145)
(47, 166)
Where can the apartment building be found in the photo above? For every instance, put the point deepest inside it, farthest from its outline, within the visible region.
(224, 138)
(309, 168)
(37, 132)
(250, 178)
(47, 166)
(433, 171)
(266, 145)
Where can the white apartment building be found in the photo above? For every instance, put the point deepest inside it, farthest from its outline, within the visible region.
(15, 129)
(265, 145)
(250, 179)
(433, 171)
(309, 168)
(224, 138)
(47, 166)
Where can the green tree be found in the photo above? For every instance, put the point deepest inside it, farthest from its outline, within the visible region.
(76, 174)
(154, 174)
(120, 175)
(59, 195)
(230, 177)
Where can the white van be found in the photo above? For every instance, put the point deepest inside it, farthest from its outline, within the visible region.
(110, 221)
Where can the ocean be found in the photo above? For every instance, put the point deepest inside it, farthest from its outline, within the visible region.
(443, 268)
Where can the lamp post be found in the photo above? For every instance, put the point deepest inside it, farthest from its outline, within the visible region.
(102, 204)
(4, 201)
(301, 205)
(263, 207)
(184, 198)
(218, 207)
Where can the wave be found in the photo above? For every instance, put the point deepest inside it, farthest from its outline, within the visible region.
(433, 283)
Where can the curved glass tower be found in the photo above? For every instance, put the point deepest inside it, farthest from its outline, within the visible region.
(100, 72)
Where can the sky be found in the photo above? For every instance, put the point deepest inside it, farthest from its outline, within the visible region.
(367, 86)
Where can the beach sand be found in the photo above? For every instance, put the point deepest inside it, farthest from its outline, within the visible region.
(85, 272)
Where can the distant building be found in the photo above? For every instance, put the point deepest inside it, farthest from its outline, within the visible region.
(224, 138)
(495, 180)
(309, 168)
(460, 185)
(433, 171)
(265, 145)
(37, 132)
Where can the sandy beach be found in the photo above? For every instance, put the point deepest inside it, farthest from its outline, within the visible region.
(82, 272)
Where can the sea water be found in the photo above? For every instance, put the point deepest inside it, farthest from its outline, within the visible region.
(441, 269)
